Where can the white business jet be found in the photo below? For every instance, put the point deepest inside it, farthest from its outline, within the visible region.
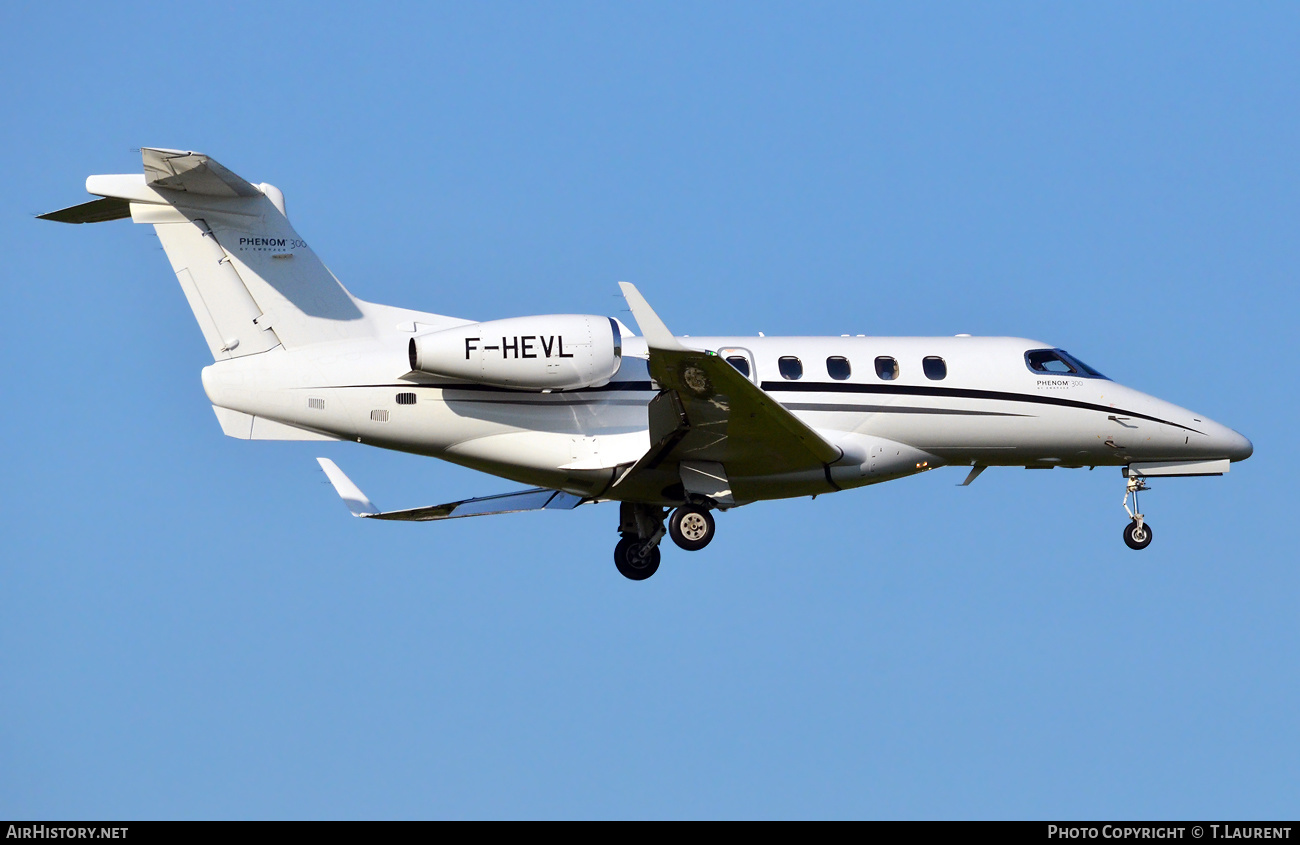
(576, 405)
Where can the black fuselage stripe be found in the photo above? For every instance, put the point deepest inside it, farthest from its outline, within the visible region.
(804, 387)
(892, 409)
(614, 387)
(955, 393)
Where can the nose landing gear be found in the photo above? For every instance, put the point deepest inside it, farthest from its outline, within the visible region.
(1137, 534)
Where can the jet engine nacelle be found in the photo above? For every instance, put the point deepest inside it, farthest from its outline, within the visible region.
(550, 352)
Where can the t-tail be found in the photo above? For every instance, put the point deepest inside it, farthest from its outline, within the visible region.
(251, 280)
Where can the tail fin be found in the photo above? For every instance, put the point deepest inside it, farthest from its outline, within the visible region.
(251, 281)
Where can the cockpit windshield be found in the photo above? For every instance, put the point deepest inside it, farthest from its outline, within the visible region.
(1058, 362)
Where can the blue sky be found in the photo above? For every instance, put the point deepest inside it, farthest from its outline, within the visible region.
(192, 626)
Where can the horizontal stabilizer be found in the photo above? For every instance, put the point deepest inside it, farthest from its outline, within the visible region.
(525, 500)
(95, 211)
(194, 173)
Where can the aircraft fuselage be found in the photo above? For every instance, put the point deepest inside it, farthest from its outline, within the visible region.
(985, 407)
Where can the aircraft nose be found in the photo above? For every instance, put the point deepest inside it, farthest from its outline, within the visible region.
(1228, 443)
(1239, 448)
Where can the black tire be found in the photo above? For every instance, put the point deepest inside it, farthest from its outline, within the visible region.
(632, 567)
(1137, 540)
(691, 527)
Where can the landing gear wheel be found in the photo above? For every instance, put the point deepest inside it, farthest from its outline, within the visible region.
(691, 527)
(1137, 537)
(633, 562)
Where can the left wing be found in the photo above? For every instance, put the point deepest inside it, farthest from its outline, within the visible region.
(525, 500)
(708, 413)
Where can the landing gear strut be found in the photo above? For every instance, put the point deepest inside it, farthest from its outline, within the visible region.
(642, 528)
(1137, 534)
(637, 553)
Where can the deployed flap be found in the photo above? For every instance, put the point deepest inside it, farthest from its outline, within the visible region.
(194, 173)
(710, 412)
(95, 211)
(708, 479)
(525, 500)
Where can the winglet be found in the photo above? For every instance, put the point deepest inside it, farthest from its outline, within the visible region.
(653, 329)
(348, 492)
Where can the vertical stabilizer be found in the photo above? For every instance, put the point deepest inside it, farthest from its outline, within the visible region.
(252, 282)
(231, 321)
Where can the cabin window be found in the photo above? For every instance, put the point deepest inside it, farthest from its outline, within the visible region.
(790, 367)
(887, 368)
(1058, 362)
(838, 368)
(741, 363)
(934, 367)
(406, 398)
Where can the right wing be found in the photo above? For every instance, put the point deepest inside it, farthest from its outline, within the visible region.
(525, 500)
(707, 412)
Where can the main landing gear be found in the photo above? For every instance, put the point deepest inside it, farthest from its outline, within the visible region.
(642, 528)
(636, 559)
(1137, 534)
(691, 527)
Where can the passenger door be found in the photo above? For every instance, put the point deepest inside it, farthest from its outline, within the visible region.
(742, 360)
